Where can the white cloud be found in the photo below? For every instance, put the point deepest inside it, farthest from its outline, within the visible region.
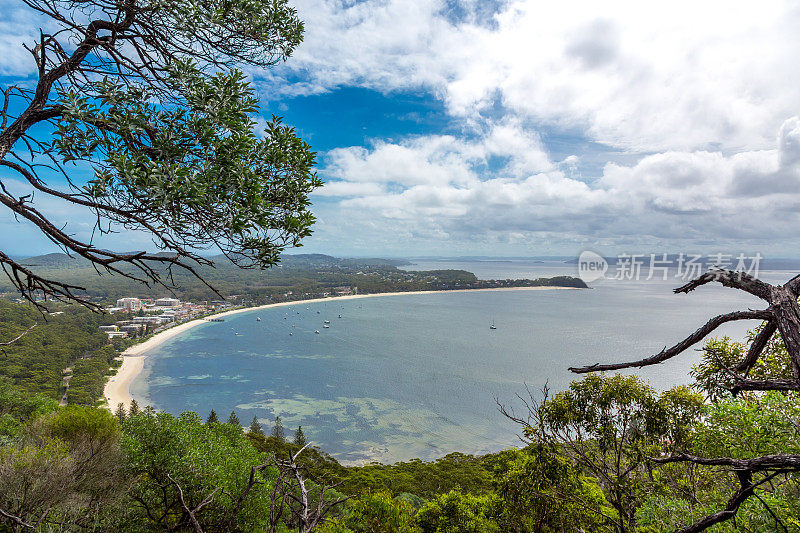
(693, 92)
(437, 160)
(377, 43)
(677, 196)
(681, 76)
(19, 25)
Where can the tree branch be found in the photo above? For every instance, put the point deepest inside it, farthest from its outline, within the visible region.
(18, 337)
(757, 346)
(747, 489)
(682, 346)
(192, 512)
(17, 520)
(783, 462)
(730, 278)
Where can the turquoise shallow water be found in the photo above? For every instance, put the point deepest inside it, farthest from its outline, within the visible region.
(406, 376)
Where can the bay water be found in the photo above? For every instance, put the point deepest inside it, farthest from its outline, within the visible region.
(406, 376)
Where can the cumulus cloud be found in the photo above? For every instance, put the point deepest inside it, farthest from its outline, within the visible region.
(686, 76)
(677, 195)
(423, 165)
(18, 26)
(692, 95)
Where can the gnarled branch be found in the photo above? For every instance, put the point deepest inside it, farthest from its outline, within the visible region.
(668, 353)
(746, 490)
(730, 278)
(757, 346)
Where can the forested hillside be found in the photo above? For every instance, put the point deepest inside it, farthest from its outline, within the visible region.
(311, 274)
(68, 337)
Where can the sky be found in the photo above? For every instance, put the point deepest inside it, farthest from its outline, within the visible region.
(528, 128)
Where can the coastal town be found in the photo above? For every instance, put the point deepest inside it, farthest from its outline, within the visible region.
(148, 315)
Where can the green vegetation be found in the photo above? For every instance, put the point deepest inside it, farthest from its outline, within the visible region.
(304, 276)
(591, 462)
(66, 339)
(587, 467)
(150, 99)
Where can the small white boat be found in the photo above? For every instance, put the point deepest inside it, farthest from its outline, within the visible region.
(492, 327)
(327, 321)
(316, 331)
(340, 316)
(258, 319)
(290, 333)
(326, 326)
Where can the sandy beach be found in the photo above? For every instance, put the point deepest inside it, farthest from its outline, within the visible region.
(117, 389)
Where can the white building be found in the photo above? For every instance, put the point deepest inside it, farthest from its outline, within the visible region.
(133, 329)
(167, 302)
(129, 304)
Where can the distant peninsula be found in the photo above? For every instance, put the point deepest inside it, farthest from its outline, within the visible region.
(296, 277)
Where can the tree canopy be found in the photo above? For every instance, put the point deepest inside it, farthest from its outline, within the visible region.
(149, 95)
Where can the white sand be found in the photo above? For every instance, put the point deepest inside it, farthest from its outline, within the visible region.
(117, 390)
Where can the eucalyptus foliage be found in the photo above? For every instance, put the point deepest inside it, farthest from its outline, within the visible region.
(175, 458)
(151, 96)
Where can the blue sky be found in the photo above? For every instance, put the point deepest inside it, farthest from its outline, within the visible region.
(517, 128)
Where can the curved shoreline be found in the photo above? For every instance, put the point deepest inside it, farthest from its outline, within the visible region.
(117, 388)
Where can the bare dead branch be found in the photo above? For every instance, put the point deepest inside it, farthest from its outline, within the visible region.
(307, 514)
(747, 489)
(668, 353)
(192, 513)
(16, 520)
(757, 346)
(18, 337)
(730, 278)
(782, 462)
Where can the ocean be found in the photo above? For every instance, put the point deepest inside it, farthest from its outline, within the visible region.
(400, 377)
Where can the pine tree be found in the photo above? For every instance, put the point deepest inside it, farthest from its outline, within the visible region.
(234, 420)
(300, 437)
(134, 410)
(212, 418)
(120, 413)
(277, 431)
(255, 428)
